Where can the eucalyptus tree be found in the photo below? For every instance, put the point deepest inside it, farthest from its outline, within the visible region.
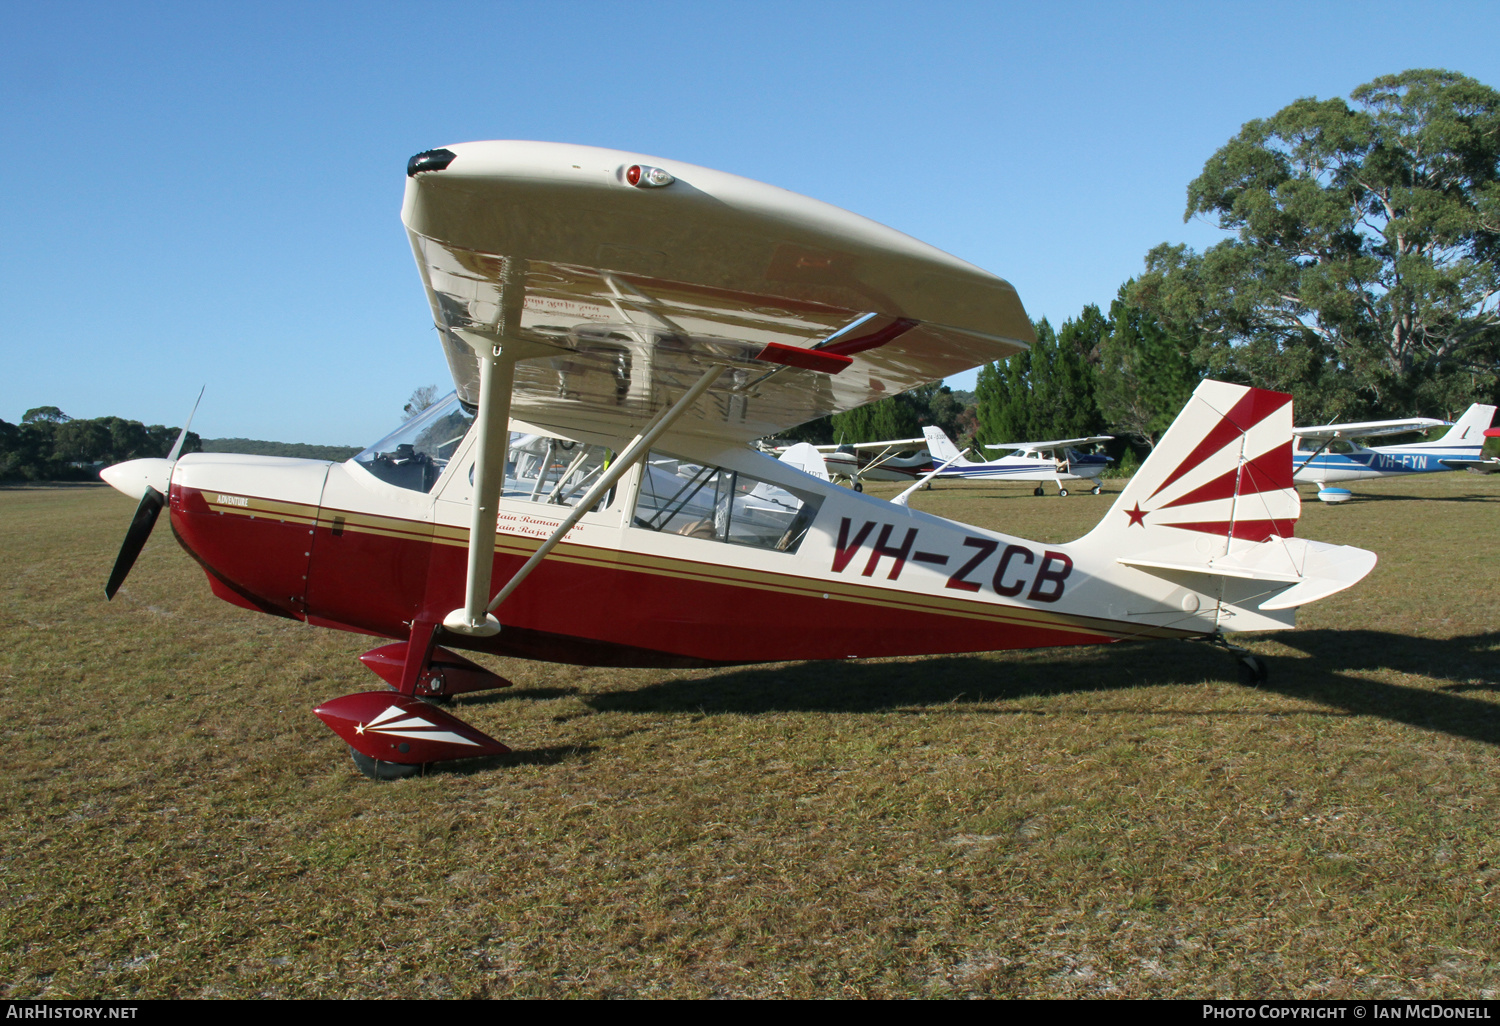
(1362, 275)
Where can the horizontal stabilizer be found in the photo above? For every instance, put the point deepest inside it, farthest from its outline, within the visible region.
(1313, 570)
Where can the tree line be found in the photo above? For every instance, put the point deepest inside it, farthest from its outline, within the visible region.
(1362, 275)
(48, 445)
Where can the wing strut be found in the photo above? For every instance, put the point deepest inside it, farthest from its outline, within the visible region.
(497, 375)
(633, 454)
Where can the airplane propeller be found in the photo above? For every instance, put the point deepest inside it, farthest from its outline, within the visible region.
(147, 474)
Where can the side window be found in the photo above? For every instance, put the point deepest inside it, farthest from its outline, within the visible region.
(698, 500)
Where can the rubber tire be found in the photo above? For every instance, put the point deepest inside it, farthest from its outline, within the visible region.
(1098, 489)
(1038, 491)
(858, 487)
(377, 770)
(1253, 671)
(1063, 492)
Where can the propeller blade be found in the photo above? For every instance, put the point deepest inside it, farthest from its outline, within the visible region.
(182, 435)
(135, 538)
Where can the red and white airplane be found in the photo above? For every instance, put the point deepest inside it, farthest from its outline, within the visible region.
(619, 328)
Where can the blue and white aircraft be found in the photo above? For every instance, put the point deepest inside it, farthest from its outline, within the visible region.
(1331, 453)
(1056, 460)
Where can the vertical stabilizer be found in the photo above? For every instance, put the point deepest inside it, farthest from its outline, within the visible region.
(1467, 431)
(1221, 474)
(942, 448)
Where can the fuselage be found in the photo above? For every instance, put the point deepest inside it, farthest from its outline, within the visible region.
(1034, 466)
(1362, 464)
(701, 553)
(874, 467)
(337, 546)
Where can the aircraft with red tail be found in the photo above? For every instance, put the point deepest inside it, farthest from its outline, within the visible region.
(620, 328)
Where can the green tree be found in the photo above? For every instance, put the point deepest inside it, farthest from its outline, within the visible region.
(1362, 276)
(899, 416)
(1047, 391)
(1145, 375)
(896, 417)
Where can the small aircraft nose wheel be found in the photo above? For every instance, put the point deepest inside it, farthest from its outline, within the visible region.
(1063, 492)
(1098, 489)
(858, 486)
(1038, 490)
(1252, 670)
(377, 770)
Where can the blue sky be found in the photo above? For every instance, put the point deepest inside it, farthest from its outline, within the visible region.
(205, 193)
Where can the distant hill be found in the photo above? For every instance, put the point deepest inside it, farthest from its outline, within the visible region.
(295, 450)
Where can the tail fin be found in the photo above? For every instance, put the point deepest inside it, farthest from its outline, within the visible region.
(1223, 471)
(1467, 431)
(941, 447)
(806, 458)
(1215, 500)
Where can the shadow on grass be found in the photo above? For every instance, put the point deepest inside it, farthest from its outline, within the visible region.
(515, 695)
(1326, 675)
(1363, 497)
(517, 757)
(1464, 663)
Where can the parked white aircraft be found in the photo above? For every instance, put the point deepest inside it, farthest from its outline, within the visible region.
(1056, 460)
(1324, 465)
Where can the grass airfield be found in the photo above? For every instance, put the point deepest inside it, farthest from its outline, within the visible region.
(1120, 821)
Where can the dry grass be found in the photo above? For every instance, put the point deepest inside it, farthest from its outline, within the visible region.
(1123, 821)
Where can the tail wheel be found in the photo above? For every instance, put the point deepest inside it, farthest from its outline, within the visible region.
(377, 770)
(1252, 671)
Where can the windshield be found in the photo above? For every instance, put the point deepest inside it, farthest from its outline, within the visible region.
(414, 455)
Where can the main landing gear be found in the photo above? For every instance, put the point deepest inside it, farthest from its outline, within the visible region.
(395, 734)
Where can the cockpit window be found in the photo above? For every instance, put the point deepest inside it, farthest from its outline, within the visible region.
(414, 455)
